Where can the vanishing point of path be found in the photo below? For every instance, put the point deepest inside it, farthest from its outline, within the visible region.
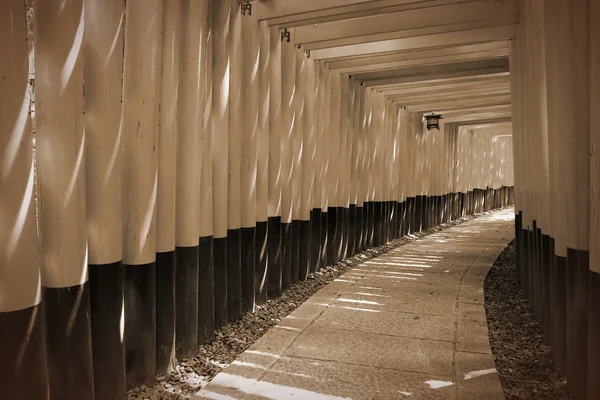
(408, 324)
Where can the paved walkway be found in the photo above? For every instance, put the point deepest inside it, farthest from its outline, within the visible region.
(409, 324)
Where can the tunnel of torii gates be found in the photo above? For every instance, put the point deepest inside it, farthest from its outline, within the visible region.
(188, 159)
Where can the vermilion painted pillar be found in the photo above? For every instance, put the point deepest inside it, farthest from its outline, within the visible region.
(249, 117)
(103, 63)
(140, 139)
(167, 188)
(60, 154)
(219, 139)
(23, 372)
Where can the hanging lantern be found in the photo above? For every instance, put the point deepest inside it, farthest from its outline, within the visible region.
(433, 120)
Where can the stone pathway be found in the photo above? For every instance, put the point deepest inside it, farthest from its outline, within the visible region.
(408, 324)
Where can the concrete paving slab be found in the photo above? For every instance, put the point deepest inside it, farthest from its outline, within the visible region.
(416, 326)
(408, 324)
(404, 354)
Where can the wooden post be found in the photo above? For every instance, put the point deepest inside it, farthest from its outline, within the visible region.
(308, 169)
(275, 193)
(140, 131)
(219, 140)
(234, 202)
(22, 374)
(594, 222)
(103, 63)
(60, 144)
(296, 173)
(262, 165)
(167, 188)
(333, 166)
(288, 113)
(206, 272)
(249, 118)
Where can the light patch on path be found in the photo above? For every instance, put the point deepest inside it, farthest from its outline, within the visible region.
(266, 389)
(438, 384)
(476, 374)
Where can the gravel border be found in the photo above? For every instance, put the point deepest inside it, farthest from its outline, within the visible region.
(190, 375)
(524, 362)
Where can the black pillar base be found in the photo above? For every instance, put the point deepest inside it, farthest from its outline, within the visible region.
(295, 268)
(248, 259)
(106, 307)
(378, 222)
(140, 324)
(323, 256)
(220, 282)
(23, 373)
(186, 301)
(286, 254)
(206, 291)
(315, 242)
(593, 345)
(331, 235)
(274, 272)
(260, 262)
(339, 234)
(304, 250)
(559, 329)
(69, 342)
(577, 321)
(351, 231)
(234, 274)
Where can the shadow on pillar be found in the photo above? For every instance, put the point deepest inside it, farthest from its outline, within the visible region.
(23, 373)
(206, 291)
(274, 272)
(577, 321)
(186, 301)
(261, 262)
(248, 267)
(220, 282)
(106, 309)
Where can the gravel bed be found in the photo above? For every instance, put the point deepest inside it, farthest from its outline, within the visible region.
(190, 375)
(524, 362)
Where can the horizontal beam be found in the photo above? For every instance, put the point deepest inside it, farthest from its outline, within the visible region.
(458, 104)
(472, 36)
(408, 23)
(444, 82)
(445, 87)
(423, 76)
(362, 60)
(454, 95)
(481, 55)
(288, 13)
(459, 66)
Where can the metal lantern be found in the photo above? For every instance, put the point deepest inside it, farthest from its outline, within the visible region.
(433, 120)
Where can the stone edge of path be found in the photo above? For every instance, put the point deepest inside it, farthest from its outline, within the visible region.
(190, 375)
(524, 362)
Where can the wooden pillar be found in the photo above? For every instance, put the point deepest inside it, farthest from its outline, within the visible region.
(296, 173)
(191, 100)
(308, 168)
(324, 144)
(103, 62)
(275, 193)
(167, 188)
(288, 112)
(219, 140)
(234, 202)
(60, 144)
(249, 118)
(593, 387)
(314, 106)
(354, 162)
(568, 29)
(262, 165)
(140, 131)
(23, 374)
(333, 166)
(206, 272)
